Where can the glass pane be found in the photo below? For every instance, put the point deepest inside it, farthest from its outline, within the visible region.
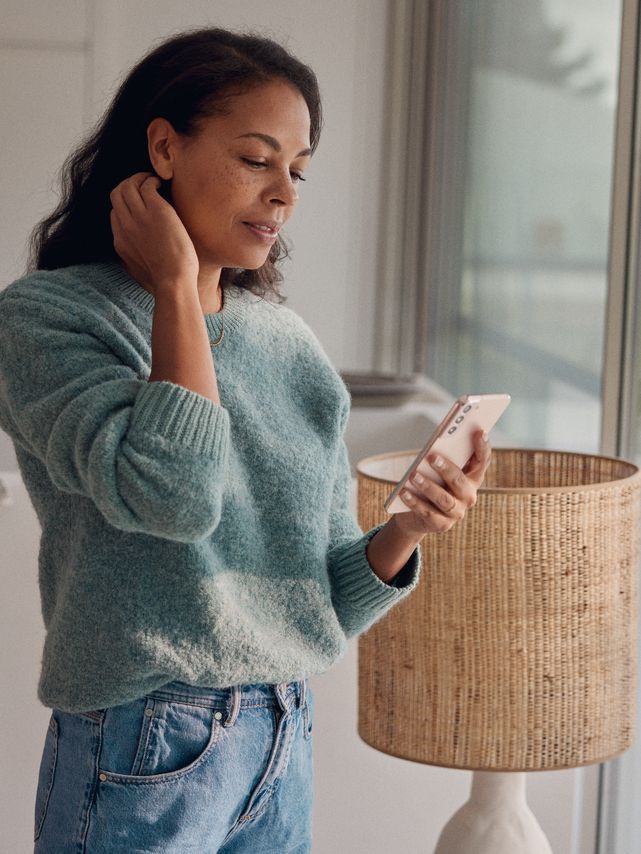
(526, 311)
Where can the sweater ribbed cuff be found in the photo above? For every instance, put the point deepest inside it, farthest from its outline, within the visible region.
(357, 582)
(178, 414)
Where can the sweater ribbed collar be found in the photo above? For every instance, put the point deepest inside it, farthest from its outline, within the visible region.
(235, 299)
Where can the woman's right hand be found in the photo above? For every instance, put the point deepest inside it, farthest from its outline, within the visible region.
(149, 235)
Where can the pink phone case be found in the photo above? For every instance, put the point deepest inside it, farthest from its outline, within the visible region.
(453, 439)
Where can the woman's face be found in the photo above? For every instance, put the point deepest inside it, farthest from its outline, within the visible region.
(235, 184)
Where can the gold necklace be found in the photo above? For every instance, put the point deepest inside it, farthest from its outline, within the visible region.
(222, 333)
(222, 322)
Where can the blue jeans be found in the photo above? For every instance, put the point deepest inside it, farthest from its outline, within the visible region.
(182, 770)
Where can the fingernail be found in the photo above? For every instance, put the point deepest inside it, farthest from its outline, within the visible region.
(418, 478)
(438, 462)
(407, 495)
(484, 437)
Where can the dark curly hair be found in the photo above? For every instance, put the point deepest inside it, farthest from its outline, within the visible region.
(184, 79)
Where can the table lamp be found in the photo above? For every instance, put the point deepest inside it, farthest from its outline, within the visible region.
(517, 651)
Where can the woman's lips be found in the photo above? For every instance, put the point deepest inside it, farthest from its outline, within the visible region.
(265, 233)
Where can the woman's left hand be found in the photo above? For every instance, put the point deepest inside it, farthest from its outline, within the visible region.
(435, 509)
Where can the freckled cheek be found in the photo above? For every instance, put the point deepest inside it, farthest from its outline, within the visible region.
(223, 195)
(237, 198)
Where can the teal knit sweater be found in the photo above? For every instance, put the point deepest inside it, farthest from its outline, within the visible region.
(181, 539)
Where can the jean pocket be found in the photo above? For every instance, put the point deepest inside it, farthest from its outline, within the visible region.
(151, 740)
(46, 776)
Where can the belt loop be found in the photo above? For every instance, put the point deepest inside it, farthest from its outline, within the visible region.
(302, 696)
(233, 705)
(281, 692)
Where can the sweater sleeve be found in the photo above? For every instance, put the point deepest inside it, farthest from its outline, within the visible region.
(150, 456)
(359, 596)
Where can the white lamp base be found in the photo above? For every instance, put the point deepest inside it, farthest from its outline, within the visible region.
(495, 820)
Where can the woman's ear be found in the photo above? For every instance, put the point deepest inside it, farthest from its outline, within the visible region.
(161, 139)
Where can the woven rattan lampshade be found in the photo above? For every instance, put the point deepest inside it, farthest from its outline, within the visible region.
(516, 651)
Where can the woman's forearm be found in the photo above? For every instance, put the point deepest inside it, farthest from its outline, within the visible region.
(181, 352)
(389, 550)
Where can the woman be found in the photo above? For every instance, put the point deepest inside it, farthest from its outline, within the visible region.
(181, 438)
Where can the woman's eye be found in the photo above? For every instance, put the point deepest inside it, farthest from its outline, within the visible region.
(252, 162)
(257, 164)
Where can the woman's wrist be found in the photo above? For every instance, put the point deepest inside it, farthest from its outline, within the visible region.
(389, 550)
(180, 348)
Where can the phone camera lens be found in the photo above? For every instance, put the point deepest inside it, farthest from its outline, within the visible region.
(451, 430)
(467, 408)
(458, 420)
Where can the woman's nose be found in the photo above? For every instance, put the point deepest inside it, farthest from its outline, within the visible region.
(284, 192)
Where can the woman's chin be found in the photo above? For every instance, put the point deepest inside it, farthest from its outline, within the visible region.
(241, 261)
(250, 261)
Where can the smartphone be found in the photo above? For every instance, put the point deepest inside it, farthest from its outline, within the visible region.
(453, 438)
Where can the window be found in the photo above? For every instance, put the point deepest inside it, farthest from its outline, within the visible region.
(506, 286)
(511, 254)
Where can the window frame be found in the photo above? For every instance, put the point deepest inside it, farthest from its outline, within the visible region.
(621, 376)
(410, 260)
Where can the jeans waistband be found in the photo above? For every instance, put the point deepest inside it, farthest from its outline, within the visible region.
(286, 695)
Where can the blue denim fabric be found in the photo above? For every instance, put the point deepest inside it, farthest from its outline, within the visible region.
(183, 769)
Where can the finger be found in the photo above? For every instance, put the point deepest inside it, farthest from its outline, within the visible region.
(135, 191)
(134, 181)
(133, 194)
(139, 178)
(151, 182)
(482, 447)
(455, 479)
(442, 500)
(429, 514)
(121, 207)
(476, 468)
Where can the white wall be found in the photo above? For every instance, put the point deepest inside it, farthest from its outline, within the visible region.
(45, 93)
(334, 229)
(60, 63)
